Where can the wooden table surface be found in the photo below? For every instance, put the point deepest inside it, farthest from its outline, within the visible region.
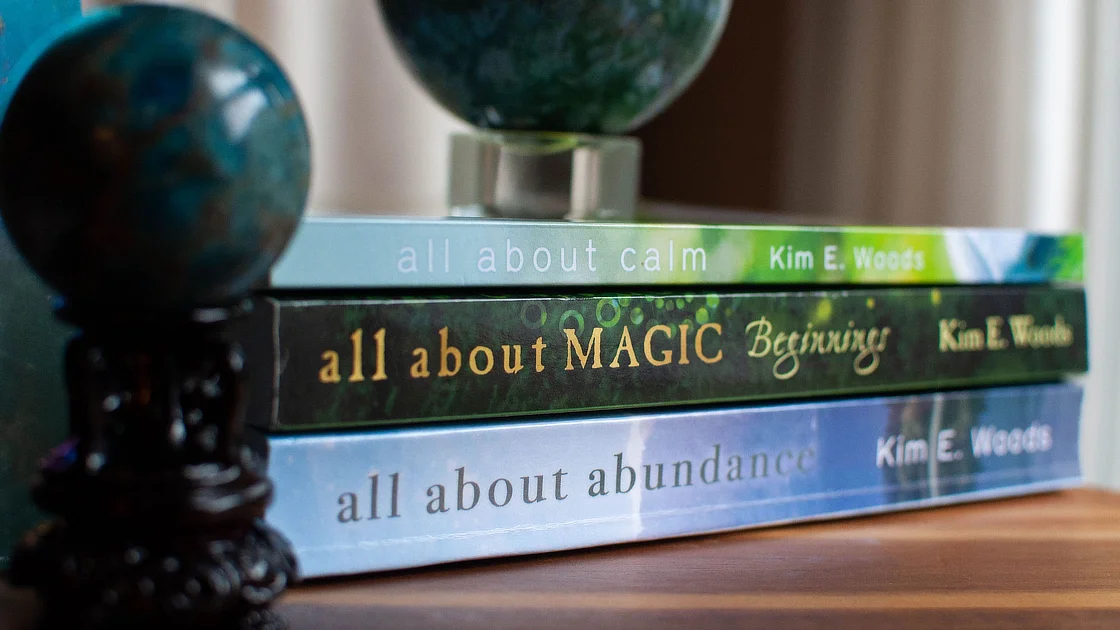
(1048, 561)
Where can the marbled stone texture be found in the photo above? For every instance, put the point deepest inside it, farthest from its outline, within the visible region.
(589, 66)
(152, 158)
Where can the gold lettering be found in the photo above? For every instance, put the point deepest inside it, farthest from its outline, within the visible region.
(805, 338)
(816, 342)
(779, 340)
(420, 368)
(592, 346)
(666, 355)
(700, 343)
(833, 343)
(873, 338)
(947, 342)
(795, 362)
(356, 371)
(995, 341)
(445, 352)
(1020, 329)
(472, 361)
(788, 347)
(870, 350)
(516, 366)
(847, 343)
(761, 336)
(538, 348)
(1025, 334)
(684, 345)
(883, 338)
(329, 372)
(379, 373)
(625, 344)
(859, 339)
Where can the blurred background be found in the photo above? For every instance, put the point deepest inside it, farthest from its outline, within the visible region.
(908, 112)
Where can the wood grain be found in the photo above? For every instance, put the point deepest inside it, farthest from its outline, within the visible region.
(1050, 561)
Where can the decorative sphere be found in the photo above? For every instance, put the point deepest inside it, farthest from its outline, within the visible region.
(151, 157)
(587, 66)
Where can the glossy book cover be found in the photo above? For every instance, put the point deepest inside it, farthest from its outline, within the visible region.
(357, 362)
(371, 252)
(406, 497)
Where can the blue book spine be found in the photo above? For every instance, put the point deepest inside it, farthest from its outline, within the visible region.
(401, 498)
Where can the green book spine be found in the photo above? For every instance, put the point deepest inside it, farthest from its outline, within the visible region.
(354, 362)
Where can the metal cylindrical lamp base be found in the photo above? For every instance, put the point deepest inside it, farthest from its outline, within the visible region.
(533, 175)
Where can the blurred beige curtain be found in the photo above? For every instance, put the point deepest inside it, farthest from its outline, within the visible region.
(380, 144)
(966, 112)
(1100, 439)
(946, 112)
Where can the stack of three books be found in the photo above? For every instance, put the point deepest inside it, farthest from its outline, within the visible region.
(443, 390)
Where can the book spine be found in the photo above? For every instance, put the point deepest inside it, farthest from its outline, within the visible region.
(400, 498)
(375, 361)
(372, 253)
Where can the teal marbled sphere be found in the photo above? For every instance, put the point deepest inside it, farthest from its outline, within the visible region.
(585, 66)
(151, 157)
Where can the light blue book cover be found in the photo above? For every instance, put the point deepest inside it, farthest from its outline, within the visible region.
(357, 252)
(401, 498)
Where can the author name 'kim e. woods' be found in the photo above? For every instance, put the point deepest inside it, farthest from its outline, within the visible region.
(367, 361)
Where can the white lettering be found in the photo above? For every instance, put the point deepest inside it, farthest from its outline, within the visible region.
(622, 259)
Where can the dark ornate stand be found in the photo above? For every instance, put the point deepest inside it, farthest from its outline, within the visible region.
(154, 162)
(160, 503)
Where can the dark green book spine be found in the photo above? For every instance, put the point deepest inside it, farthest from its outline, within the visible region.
(349, 362)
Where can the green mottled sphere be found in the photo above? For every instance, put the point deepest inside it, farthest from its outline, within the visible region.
(587, 66)
(151, 158)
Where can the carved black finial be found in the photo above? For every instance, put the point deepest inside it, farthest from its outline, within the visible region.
(153, 164)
